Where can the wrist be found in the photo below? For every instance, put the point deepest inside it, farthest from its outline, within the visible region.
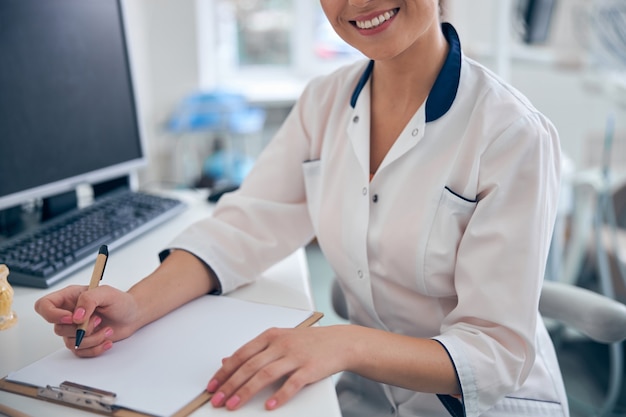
(354, 347)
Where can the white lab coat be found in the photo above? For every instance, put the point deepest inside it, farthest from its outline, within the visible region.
(447, 241)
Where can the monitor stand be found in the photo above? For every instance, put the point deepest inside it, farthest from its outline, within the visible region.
(17, 219)
(58, 204)
(11, 221)
(105, 187)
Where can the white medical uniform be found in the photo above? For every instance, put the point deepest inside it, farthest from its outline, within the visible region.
(448, 240)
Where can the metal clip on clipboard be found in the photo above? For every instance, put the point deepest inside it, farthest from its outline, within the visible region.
(80, 395)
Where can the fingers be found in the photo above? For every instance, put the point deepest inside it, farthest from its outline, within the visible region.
(243, 357)
(87, 303)
(95, 343)
(291, 387)
(237, 370)
(257, 365)
(100, 298)
(74, 305)
(58, 307)
(69, 330)
(246, 382)
(233, 394)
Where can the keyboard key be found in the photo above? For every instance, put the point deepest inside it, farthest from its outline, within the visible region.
(41, 257)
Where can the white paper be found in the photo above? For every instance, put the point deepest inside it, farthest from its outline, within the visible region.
(168, 363)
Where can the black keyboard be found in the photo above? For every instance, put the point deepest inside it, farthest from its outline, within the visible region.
(57, 248)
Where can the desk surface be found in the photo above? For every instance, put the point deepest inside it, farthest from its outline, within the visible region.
(287, 283)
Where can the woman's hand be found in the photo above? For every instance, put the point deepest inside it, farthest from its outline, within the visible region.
(114, 315)
(111, 314)
(302, 355)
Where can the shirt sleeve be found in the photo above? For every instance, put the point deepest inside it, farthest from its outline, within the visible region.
(490, 334)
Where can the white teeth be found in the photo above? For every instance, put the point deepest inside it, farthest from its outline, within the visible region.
(377, 21)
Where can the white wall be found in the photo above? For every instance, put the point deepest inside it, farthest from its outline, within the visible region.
(163, 47)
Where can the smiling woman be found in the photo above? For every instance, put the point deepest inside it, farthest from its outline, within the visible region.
(431, 186)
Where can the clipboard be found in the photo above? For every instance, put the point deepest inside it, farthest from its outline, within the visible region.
(105, 401)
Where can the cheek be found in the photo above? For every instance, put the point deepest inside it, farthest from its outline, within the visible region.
(330, 8)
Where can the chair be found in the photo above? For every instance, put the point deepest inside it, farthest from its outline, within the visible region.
(600, 318)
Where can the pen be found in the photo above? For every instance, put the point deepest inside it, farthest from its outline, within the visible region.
(96, 276)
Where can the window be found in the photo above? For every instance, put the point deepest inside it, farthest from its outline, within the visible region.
(275, 45)
(262, 31)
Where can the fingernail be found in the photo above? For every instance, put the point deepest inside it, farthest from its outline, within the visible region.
(108, 332)
(107, 345)
(79, 314)
(271, 403)
(97, 321)
(67, 320)
(233, 402)
(213, 384)
(218, 399)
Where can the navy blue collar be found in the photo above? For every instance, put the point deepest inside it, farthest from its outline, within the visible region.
(446, 85)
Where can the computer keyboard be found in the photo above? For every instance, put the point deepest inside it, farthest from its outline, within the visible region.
(55, 249)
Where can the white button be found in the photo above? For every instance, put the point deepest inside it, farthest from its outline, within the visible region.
(415, 132)
(359, 273)
(364, 190)
(355, 119)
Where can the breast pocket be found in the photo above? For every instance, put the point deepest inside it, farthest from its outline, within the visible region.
(450, 221)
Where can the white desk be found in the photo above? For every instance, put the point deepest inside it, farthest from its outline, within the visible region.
(287, 283)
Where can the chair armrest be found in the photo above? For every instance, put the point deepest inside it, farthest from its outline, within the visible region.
(599, 317)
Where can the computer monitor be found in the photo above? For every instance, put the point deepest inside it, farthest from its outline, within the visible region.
(67, 107)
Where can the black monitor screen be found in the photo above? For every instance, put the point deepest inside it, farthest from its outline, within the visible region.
(67, 108)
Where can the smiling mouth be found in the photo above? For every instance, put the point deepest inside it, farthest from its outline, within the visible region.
(375, 22)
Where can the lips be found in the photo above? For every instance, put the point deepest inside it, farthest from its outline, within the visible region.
(376, 21)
